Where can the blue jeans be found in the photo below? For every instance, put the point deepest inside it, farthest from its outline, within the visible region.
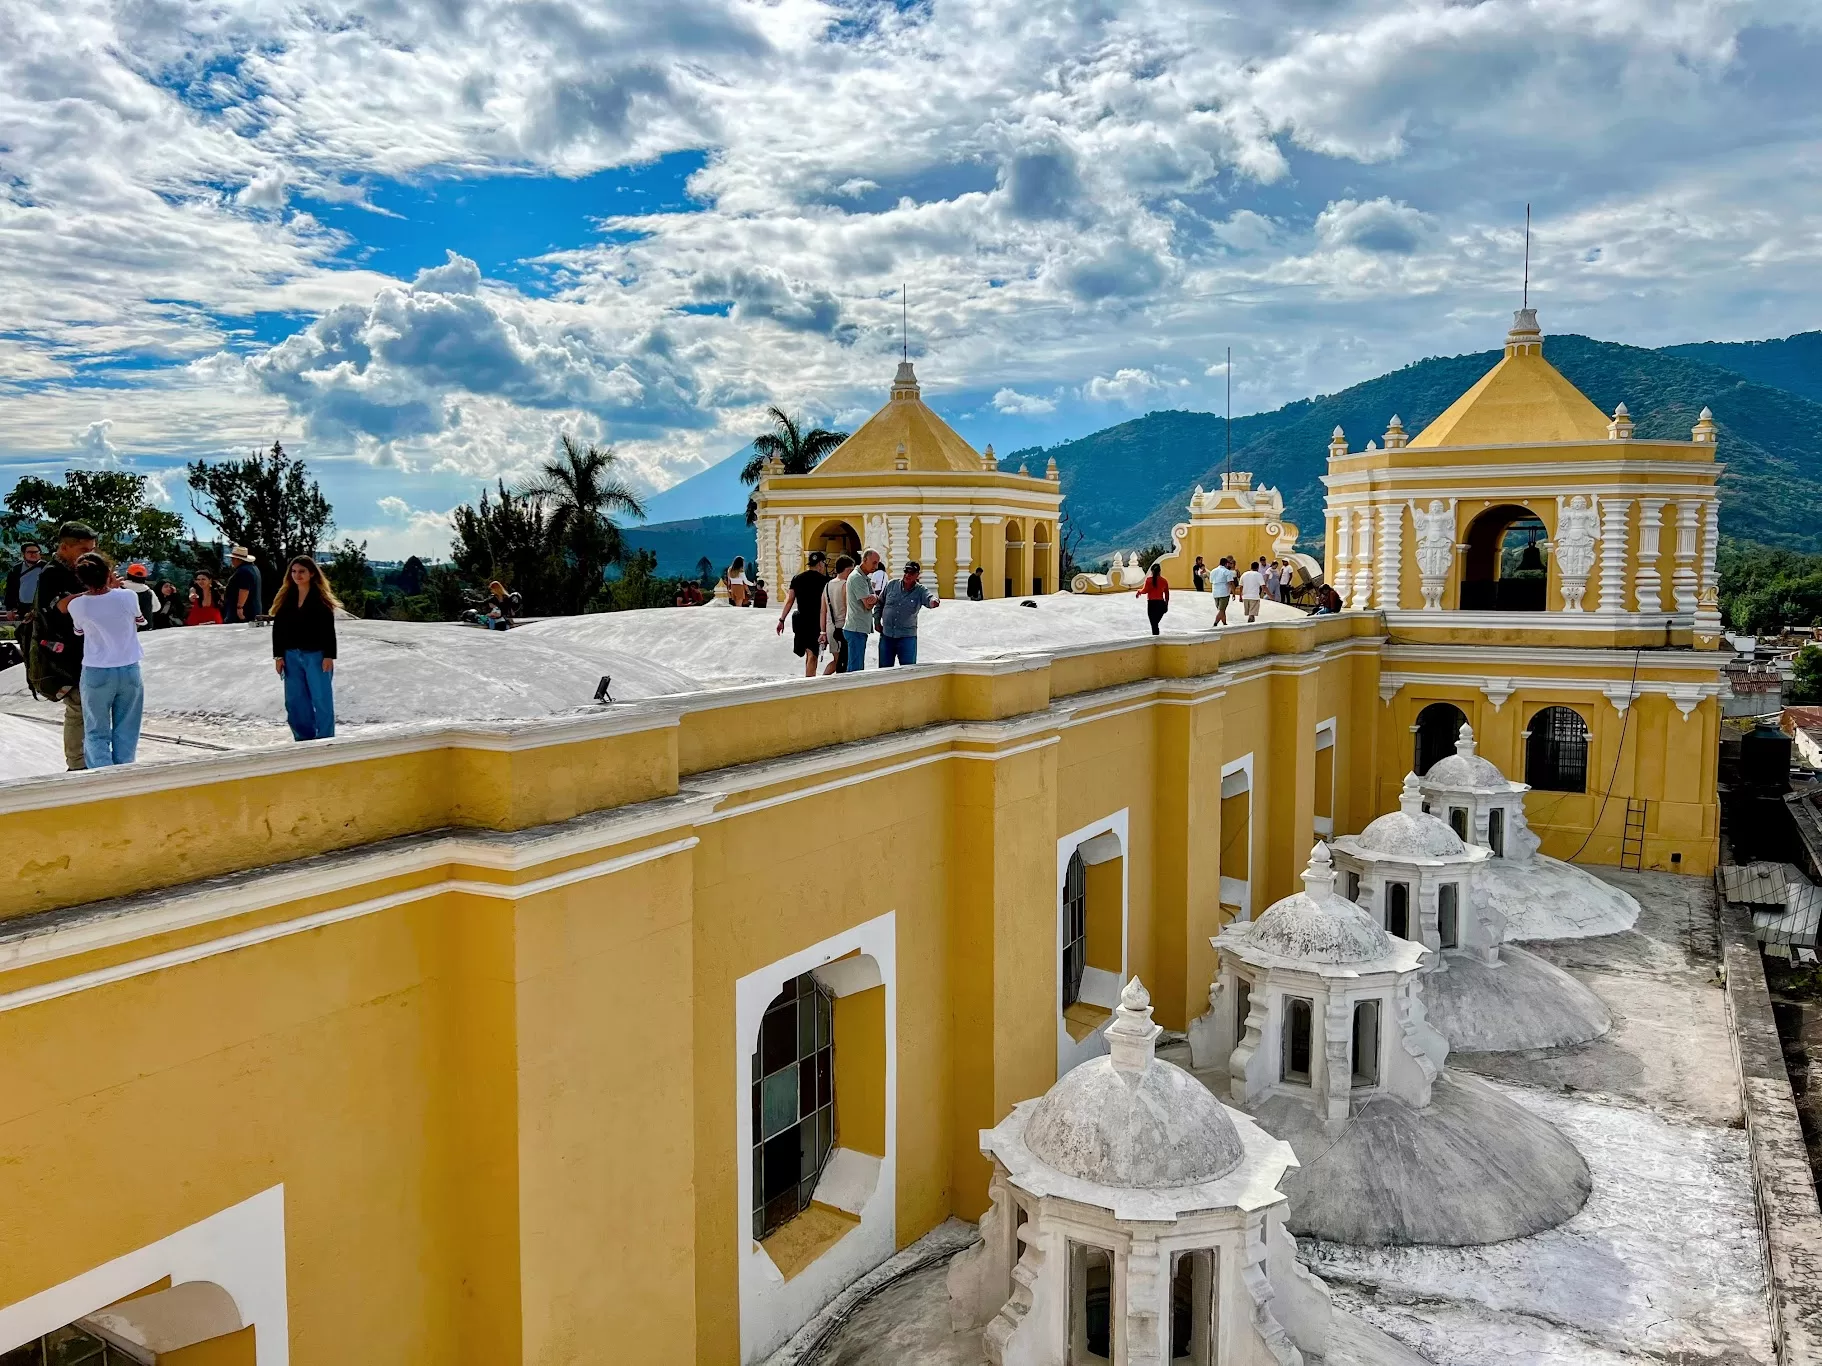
(309, 695)
(113, 701)
(857, 650)
(897, 650)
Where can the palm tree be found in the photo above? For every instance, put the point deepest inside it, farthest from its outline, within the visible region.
(800, 451)
(582, 489)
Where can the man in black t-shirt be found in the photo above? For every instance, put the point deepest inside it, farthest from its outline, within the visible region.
(806, 627)
(245, 600)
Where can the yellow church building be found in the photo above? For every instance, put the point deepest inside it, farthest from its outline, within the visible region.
(638, 1035)
(907, 485)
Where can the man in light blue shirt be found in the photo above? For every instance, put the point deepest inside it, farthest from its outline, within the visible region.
(1221, 580)
(904, 598)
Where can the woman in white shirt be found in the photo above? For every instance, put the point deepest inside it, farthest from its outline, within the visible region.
(737, 582)
(108, 619)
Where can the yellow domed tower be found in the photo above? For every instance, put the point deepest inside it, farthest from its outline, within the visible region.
(1548, 577)
(908, 486)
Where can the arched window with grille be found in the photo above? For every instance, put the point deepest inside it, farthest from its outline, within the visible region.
(1075, 921)
(1556, 755)
(793, 1102)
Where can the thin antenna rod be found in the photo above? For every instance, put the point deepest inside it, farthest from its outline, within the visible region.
(1228, 478)
(1525, 300)
(904, 315)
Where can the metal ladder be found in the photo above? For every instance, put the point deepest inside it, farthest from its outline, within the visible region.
(1632, 842)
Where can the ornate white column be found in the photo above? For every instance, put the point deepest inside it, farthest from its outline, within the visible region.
(898, 542)
(1711, 540)
(1363, 560)
(964, 554)
(1646, 581)
(1614, 514)
(1344, 552)
(926, 549)
(1391, 556)
(1688, 532)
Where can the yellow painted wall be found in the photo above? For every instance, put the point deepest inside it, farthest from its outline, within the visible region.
(505, 1119)
(1103, 887)
(860, 1071)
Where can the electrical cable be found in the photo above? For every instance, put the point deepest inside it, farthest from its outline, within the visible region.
(1614, 776)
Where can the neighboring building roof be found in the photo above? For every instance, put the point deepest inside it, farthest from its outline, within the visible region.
(1794, 719)
(906, 421)
(1522, 400)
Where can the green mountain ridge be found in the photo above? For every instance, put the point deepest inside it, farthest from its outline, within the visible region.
(1128, 484)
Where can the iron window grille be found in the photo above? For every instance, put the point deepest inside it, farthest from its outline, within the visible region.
(1075, 920)
(1556, 755)
(793, 1103)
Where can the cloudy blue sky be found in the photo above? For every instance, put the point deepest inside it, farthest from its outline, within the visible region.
(417, 239)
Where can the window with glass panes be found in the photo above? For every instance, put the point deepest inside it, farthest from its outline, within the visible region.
(793, 1102)
(1075, 918)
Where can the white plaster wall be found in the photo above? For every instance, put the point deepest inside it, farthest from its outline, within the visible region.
(241, 1249)
(1237, 777)
(1095, 989)
(772, 1308)
(1326, 754)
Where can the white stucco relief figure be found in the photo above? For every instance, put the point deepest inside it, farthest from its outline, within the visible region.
(1578, 525)
(876, 532)
(1435, 527)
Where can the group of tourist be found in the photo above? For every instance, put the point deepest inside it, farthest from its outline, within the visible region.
(78, 624)
(833, 609)
(1260, 582)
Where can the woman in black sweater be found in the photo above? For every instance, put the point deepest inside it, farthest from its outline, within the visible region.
(303, 649)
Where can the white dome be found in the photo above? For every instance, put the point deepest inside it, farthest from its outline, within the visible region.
(1464, 770)
(1331, 930)
(1410, 831)
(1140, 1130)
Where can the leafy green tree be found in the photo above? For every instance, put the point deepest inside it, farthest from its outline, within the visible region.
(352, 578)
(504, 537)
(411, 577)
(111, 501)
(579, 492)
(705, 573)
(268, 503)
(1806, 677)
(1155, 551)
(1764, 589)
(800, 451)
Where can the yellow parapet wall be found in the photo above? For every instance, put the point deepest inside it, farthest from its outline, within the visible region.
(470, 996)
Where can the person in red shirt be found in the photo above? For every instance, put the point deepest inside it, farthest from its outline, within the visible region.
(1156, 592)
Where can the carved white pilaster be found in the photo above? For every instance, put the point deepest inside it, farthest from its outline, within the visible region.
(926, 545)
(1342, 531)
(898, 541)
(1646, 582)
(790, 552)
(1688, 534)
(1711, 539)
(1362, 587)
(1497, 691)
(767, 551)
(1391, 556)
(964, 554)
(1614, 514)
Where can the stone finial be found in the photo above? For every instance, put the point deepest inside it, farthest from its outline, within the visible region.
(1464, 741)
(1620, 429)
(904, 383)
(1410, 796)
(1704, 430)
(1132, 1038)
(1338, 444)
(1372, 446)
(902, 461)
(1051, 472)
(1524, 335)
(1237, 481)
(1395, 435)
(1319, 876)
(987, 460)
(1023, 470)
